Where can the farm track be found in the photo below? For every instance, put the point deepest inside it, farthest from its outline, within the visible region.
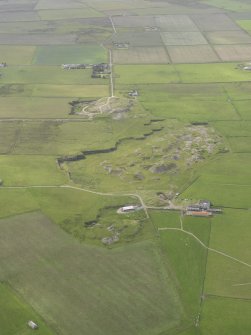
(113, 26)
(85, 190)
(111, 74)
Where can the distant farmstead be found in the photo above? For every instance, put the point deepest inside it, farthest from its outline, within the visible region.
(203, 208)
(101, 70)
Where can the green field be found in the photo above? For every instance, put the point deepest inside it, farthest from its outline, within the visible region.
(54, 90)
(221, 194)
(168, 127)
(24, 170)
(238, 6)
(44, 259)
(235, 319)
(245, 24)
(34, 107)
(17, 55)
(76, 91)
(180, 73)
(184, 254)
(47, 75)
(192, 110)
(69, 13)
(16, 201)
(16, 313)
(57, 55)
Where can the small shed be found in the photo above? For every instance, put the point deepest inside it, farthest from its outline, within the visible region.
(32, 325)
(133, 93)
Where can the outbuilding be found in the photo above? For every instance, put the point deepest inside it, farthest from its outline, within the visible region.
(32, 325)
(128, 208)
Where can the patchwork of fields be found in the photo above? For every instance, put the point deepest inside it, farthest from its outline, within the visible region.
(166, 126)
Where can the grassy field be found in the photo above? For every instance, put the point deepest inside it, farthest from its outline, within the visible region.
(238, 90)
(227, 195)
(238, 6)
(26, 170)
(16, 313)
(230, 232)
(17, 55)
(163, 219)
(183, 254)
(192, 110)
(69, 13)
(46, 4)
(34, 107)
(180, 73)
(146, 301)
(57, 55)
(228, 37)
(20, 27)
(66, 90)
(211, 73)
(235, 318)
(240, 144)
(243, 109)
(54, 91)
(245, 24)
(145, 74)
(225, 277)
(16, 201)
(48, 75)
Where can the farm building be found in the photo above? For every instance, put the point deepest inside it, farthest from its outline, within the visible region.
(199, 213)
(32, 325)
(151, 28)
(101, 70)
(133, 93)
(3, 65)
(247, 68)
(128, 208)
(121, 45)
(203, 207)
(75, 66)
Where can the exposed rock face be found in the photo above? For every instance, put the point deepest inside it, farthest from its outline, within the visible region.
(162, 168)
(139, 176)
